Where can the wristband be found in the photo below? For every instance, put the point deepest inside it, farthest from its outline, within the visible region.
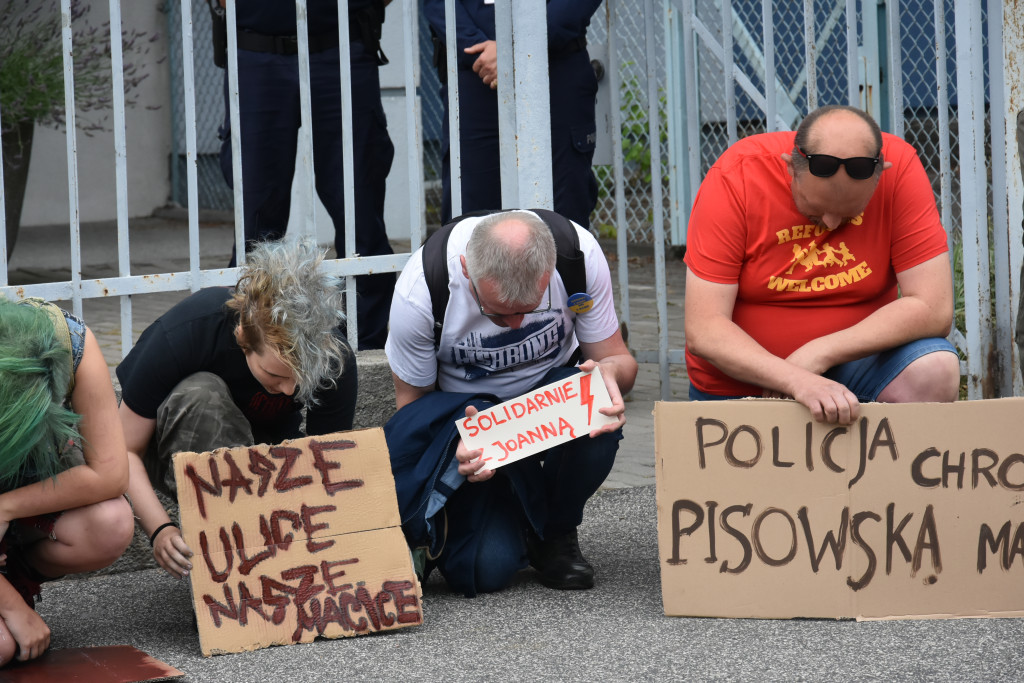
(152, 539)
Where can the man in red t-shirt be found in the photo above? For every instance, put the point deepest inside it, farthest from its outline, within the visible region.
(817, 269)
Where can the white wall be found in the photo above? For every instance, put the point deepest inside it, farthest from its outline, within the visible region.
(148, 135)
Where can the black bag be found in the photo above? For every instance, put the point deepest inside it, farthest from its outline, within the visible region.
(219, 22)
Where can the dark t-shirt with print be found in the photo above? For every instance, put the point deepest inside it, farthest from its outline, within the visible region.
(197, 335)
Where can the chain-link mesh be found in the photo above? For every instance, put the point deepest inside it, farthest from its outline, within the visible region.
(632, 60)
(918, 61)
(928, 124)
(791, 88)
(213, 191)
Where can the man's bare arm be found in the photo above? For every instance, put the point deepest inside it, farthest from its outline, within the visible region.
(924, 309)
(711, 334)
(406, 393)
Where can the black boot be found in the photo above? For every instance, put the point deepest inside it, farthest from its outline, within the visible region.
(559, 561)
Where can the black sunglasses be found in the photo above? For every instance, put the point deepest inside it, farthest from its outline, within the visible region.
(825, 166)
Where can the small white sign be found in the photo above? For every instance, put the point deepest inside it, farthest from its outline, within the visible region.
(538, 420)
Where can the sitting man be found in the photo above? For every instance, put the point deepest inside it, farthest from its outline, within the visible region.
(510, 325)
(228, 368)
(818, 270)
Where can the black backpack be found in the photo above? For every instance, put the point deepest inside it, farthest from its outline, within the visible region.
(569, 261)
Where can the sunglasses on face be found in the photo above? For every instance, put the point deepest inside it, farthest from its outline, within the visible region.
(825, 166)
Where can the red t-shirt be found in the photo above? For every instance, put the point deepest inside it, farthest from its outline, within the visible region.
(798, 282)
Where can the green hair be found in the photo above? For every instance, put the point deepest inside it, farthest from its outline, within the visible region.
(35, 370)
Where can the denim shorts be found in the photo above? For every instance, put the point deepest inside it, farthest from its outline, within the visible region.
(866, 377)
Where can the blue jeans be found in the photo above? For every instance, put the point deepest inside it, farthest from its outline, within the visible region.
(866, 377)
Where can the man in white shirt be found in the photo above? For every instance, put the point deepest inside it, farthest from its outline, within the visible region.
(510, 326)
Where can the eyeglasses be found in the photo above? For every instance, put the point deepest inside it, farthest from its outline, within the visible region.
(495, 316)
(825, 166)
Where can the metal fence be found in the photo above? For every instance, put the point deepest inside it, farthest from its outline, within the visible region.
(928, 71)
(213, 192)
(693, 75)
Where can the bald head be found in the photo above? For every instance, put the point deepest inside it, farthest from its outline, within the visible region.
(515, 251)
(841, 132)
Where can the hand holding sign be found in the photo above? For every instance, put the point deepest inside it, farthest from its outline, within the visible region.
(538, 420)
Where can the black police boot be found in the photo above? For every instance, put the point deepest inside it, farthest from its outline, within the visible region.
(559, 561)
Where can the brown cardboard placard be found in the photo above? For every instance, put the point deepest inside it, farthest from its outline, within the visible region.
(106, 664)
(295, 541)
(913, 511)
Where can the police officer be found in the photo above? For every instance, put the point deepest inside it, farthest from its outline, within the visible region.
(573, 93)
(268, 85)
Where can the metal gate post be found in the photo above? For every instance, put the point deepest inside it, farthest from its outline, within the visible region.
(1001, 324)
(530, 91)
(1013, 105)
(974, 221)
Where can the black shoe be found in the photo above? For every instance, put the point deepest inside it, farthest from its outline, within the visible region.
(559, 561)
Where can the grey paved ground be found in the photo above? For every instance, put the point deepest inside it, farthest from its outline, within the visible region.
(614, 632)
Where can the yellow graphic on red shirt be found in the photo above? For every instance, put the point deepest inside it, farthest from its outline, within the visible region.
(816, 255)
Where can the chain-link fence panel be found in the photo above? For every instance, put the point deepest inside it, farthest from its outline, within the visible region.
(628, 21)
(213, 190)
(913, 93)
(931, 116)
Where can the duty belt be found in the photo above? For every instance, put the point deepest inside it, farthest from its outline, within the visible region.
(575, 45)
(287, 45)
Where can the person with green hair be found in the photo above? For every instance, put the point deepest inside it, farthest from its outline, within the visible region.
(63, 465)
(234, 367)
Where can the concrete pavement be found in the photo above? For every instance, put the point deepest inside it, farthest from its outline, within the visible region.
(615, 632)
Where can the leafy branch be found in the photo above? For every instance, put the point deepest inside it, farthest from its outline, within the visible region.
(32, 66)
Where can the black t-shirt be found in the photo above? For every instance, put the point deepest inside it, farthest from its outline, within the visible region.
(198, 335)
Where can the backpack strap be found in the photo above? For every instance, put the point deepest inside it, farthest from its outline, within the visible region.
(569, 262)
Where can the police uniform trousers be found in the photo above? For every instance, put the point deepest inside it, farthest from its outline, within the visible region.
(270, 118)
(573, 130)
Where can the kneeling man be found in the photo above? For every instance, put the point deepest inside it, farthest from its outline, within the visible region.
(817, 269)
(510, 325)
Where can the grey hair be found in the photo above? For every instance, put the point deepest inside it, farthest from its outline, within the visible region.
(285, 300)
(516, 269)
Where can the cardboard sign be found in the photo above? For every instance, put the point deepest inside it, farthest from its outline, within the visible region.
(538, 420)
(295, 541)
(106, 664)
(915, 510)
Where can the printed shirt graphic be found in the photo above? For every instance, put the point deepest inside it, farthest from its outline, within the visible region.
(481, 354)
(477, 356)
(797, 282)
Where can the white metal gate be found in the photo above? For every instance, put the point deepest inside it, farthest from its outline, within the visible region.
(944, 74)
